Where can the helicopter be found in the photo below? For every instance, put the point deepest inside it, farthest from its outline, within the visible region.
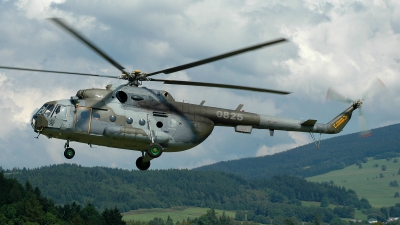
(151, 121)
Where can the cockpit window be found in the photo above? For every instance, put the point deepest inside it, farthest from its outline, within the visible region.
(48, 110)
(41, 110)
(60, 110)
(45, 110)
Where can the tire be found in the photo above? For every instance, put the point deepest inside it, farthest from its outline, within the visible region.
(69, 153)
(154, 150)
(142, 165)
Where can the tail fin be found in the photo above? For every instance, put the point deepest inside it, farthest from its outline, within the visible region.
(339, 122)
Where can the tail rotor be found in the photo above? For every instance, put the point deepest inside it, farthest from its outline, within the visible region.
(375, 87)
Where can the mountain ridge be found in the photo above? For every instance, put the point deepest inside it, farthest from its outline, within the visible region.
(305, 161)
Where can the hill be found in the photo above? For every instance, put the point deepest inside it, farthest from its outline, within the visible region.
(369, 180)
(306, 161)
(130, 190)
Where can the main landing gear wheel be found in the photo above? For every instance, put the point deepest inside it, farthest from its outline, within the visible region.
(142, 165)
(154, 150)
(69, 153)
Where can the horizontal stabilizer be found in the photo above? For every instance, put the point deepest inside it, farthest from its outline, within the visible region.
(309, 122)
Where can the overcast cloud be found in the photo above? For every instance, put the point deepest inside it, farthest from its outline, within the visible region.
(340, 44)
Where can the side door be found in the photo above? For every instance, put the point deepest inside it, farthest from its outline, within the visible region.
(82, 120)
(98, 124)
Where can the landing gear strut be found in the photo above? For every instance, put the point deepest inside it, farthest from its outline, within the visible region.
(69, 153)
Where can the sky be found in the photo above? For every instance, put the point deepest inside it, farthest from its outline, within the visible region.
(345, 45)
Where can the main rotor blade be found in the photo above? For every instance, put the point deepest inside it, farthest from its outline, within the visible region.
(215, 58)
(52, 71)
(332, 94)
(80, 37)
(178, 82)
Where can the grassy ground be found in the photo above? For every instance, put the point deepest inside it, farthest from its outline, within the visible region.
(176, 213)
(367, 181)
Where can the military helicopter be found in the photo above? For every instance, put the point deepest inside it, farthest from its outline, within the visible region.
(151, 121)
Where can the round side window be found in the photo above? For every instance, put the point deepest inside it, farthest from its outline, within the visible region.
(96, 116)
(142, 122)
(113, 118)
(85, 114)
(129, 120)
(121, 96)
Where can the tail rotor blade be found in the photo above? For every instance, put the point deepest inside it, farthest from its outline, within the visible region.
(375, 87)
(364, 129)
(334, 95)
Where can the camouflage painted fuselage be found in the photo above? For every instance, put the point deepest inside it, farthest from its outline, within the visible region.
(131, 118)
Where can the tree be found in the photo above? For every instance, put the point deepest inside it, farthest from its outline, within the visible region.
(114, 217)
(240, 216)
(90, 215)
(385, 213)
(290, 221)
(33, 210)
(394, 183)
(209, 218)
(156, 221)
(381, 175)
(337, 221)
(316, 220)
(223, 220)
(278, 220)
(169, 221)
(324, 202)
(384, 167)
(396, 195)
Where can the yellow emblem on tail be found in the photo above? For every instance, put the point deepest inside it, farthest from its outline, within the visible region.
(340, 121)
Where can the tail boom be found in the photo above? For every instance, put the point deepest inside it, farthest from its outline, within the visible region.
(334, 126)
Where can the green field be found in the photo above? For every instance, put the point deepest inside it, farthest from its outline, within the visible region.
(176, 213)
(366, 181)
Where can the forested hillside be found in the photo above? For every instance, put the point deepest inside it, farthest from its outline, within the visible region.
(107, 187)
(305, 161)
(26, 205)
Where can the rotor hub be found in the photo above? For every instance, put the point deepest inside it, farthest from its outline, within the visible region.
(357, 104)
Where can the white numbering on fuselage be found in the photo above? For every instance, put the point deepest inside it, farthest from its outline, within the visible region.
(231, 116)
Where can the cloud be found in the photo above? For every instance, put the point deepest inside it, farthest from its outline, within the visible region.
(38, 9)
(331, 44)
(298, 138)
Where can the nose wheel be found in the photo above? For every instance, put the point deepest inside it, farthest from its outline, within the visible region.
(69, 153)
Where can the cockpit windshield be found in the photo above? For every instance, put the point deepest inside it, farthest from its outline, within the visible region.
(45, 110)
